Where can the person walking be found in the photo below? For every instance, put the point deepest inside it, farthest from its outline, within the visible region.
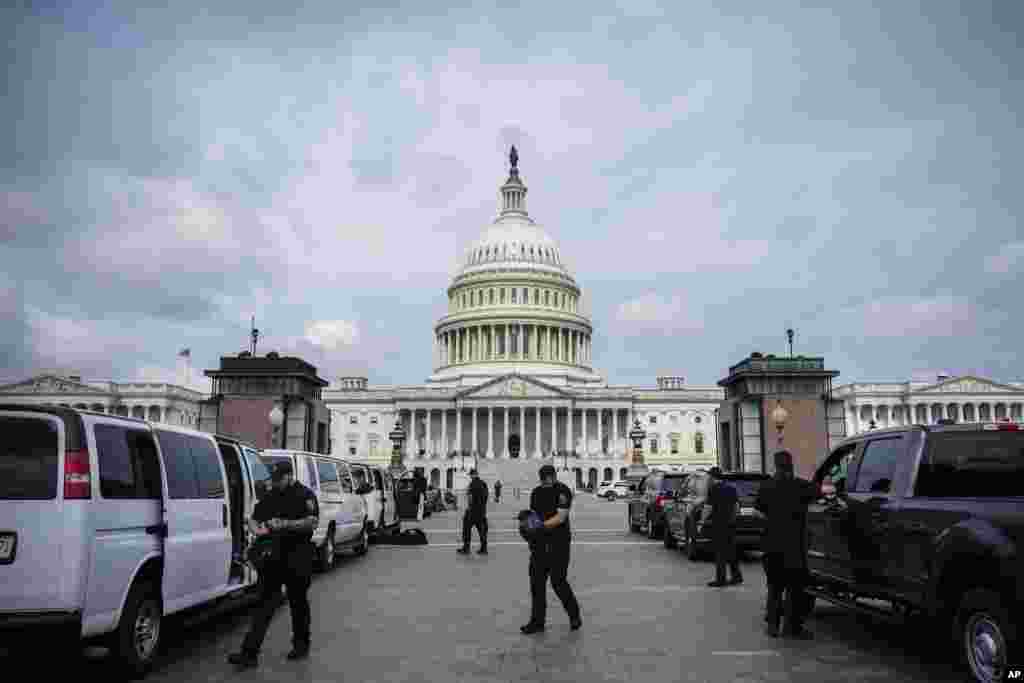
(549, 551)
(475, 515)
(288, 515)
(420, 488)
(723, 500)
(783, 500)
(497, 491)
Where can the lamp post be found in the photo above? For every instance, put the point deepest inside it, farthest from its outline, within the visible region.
(637, 434)
(397, 436)
(779, 417)
(276, 420)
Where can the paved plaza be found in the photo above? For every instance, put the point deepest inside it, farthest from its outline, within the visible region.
(423, 613)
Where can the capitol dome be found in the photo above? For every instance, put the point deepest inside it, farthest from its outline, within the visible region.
(513, 304)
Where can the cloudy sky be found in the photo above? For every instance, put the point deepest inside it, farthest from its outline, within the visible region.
(712, 172)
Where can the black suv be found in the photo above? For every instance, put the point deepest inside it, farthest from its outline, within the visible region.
(687, 516)
(647, 508)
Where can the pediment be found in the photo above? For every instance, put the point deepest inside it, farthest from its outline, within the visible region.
(513, 387)
(50, 384)
(969, 385)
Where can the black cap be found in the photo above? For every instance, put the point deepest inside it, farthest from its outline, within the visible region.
(548, 470)
(281, 470)
(715, 472)
(472, 473)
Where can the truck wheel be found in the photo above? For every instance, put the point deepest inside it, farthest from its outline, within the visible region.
(136, 641)
(327, 552)
(986, 635)
(634, 527)
(670, 540)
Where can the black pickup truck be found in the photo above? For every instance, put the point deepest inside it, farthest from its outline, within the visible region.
(927, 521)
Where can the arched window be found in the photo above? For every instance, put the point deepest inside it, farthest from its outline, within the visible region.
(526, 296)
(547, 298)
(514, 295)
(698, 442)
(503, 295)
(492, 296)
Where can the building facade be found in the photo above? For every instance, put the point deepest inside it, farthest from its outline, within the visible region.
(961, 399)
(154, 401)
(514, 381)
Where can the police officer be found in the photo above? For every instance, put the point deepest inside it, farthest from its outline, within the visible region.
(784, 500)
(497, 491)
(476, 514)
(549, 551)
(288, 514)
(723, 500)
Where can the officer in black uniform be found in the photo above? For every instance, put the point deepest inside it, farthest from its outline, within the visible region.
(289, 514)
(549, 551)
(475, 515)
(723, 500)
(784, 500)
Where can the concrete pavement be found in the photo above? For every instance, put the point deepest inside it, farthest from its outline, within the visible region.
(424, 613)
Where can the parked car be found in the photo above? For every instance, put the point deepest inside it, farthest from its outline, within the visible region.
(108, 524)
(434, 500)
(647, 510)
(613, 490)
(343, 524)
(688, 514)
(929, 521)
(381, 509)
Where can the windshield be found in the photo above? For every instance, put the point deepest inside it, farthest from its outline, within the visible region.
(28, 459)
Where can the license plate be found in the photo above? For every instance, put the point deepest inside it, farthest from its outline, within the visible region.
(747, 511)
(6, 547)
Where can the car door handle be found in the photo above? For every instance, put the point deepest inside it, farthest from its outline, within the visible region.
(157, 529)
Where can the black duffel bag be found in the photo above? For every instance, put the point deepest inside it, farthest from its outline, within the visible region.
(262, 552)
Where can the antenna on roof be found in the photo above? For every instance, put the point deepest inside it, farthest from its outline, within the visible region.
(255, 336)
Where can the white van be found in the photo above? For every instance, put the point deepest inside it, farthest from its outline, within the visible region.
(109, 523)
(381, 510)
(342, 508)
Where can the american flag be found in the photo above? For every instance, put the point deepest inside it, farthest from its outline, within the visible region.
(185, 353)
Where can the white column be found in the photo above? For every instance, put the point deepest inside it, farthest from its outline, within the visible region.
(615, 433)
(490, 433)
(476, 443)
(504, 445)
(508, 354)
(411, 431)
(600, 432)
(444, 432)
(536, 441)
(458, 429)
(554, 430)
(430, 445)
(550, 351)
(571, 437)
(494, 342)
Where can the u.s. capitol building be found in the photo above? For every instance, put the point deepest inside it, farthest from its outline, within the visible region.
(514, 380)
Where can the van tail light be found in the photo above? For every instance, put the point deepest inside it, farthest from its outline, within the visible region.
(76, 475)
(659, 501)
(1008, 427)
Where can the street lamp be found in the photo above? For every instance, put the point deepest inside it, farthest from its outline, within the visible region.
(397, 436)
(637, 434)
(779, 417)
(276, 420)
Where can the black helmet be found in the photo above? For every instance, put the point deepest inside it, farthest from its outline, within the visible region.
(548, 471)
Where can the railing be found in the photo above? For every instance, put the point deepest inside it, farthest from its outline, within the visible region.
(772, 364)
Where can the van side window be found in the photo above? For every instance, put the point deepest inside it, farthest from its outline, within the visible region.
(260, 473)
(878, 465)
(328, 479)
(346, 482)
(128, 467)
(181, 476)
(209, 479)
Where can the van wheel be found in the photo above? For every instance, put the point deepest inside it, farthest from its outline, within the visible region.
(633, 526)
(327, 552)
(986, 635)
(136, 641)
(364, 543)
